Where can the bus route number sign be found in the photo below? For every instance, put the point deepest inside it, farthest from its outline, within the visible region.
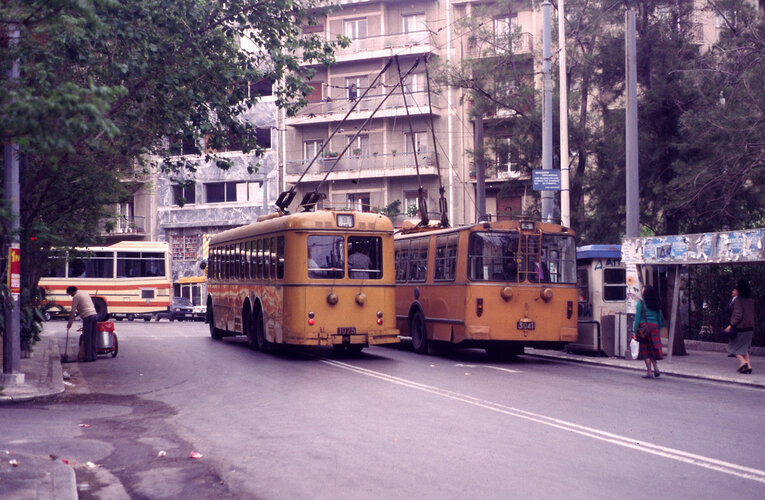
(525, 325)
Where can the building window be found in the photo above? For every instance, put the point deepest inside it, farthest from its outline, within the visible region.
(184, 195)
(355, 86)
(233, 192)
(185, 145)
(263, 88)
(358, 146)
(355, 28)
(410, 202)
(504, 27)
(311, 148)
(413, 23)
(263, 136)
(185, 247)
(420, 144)
(358, 201)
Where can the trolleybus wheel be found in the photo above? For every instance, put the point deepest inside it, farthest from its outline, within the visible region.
(116, 346)
(249, 324)
(215, 333)
(260, 333)
(130, 317)
(418, 333)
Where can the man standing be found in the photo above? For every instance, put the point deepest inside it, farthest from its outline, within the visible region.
(83, 305)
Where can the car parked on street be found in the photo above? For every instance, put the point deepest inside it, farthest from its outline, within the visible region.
(180, 309)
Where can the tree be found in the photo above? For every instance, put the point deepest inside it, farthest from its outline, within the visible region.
(722, 165)
(104, 84)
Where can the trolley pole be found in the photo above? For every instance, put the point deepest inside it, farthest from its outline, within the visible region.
(12, 334)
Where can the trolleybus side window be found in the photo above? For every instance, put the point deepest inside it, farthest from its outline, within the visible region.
(558, 259)
(56, 266)
(365, 257)
(280, 257)
(326, 255)
(493, 256)
(401, 252)
(418, 259)
(446, 257)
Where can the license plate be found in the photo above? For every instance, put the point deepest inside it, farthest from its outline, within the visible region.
(525, 325)
(346, 330)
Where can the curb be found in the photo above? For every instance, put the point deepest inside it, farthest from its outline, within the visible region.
(37, 477)
(38, 384)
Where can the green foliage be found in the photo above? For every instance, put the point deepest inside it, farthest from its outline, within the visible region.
(391, 209)
(711, 287)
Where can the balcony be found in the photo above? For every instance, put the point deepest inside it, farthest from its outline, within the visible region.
(123, 226)
(367, 166)
(383, 46)
(520, 44)
(328, 110)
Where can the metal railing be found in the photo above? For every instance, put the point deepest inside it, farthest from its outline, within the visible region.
(370, 164)
(125, 225)
(417, 102)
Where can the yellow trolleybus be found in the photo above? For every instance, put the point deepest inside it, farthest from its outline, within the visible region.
(493, 285)
(323, 278)
(128, 279)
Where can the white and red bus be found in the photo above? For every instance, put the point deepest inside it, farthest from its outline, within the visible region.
(129, 279)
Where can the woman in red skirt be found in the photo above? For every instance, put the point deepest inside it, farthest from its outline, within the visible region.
(649, 311)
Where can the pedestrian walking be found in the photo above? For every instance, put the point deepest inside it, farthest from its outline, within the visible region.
(82, 305)
(740, 329)
(648, 312)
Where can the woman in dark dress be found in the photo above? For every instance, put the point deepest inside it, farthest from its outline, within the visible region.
(742, 319)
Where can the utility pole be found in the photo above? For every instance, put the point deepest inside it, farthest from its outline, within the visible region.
(565, 200)
(480, 174)
(12, 335)
(633, 194)
(547, 196)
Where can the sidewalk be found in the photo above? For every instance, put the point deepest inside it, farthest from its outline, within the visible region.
(697, 364)
(24, 476)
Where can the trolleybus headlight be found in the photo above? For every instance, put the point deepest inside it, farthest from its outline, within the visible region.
(506, 293)
(546, 294)
(361, 299)
(332, 298)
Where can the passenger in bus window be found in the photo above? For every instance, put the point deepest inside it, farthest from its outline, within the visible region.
(314, 271)
(359, 259)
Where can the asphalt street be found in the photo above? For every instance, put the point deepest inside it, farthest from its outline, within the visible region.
(386, 424)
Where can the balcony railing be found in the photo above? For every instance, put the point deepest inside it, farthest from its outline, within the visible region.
(417, 102)
(372, 165)
(418, 39)
(417, 42)
(124, 225)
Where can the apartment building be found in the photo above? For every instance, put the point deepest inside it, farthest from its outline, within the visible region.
(385, 147)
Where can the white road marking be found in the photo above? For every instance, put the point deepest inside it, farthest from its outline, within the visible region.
(499, 368)
(615, 439)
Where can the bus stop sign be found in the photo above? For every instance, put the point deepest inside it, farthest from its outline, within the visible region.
(545, 179)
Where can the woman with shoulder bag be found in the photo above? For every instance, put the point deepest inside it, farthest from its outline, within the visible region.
(648, 313)
(742, 319)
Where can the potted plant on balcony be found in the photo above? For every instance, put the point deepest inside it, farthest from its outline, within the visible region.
(356, 151)
(330, 154)
(394, 152)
